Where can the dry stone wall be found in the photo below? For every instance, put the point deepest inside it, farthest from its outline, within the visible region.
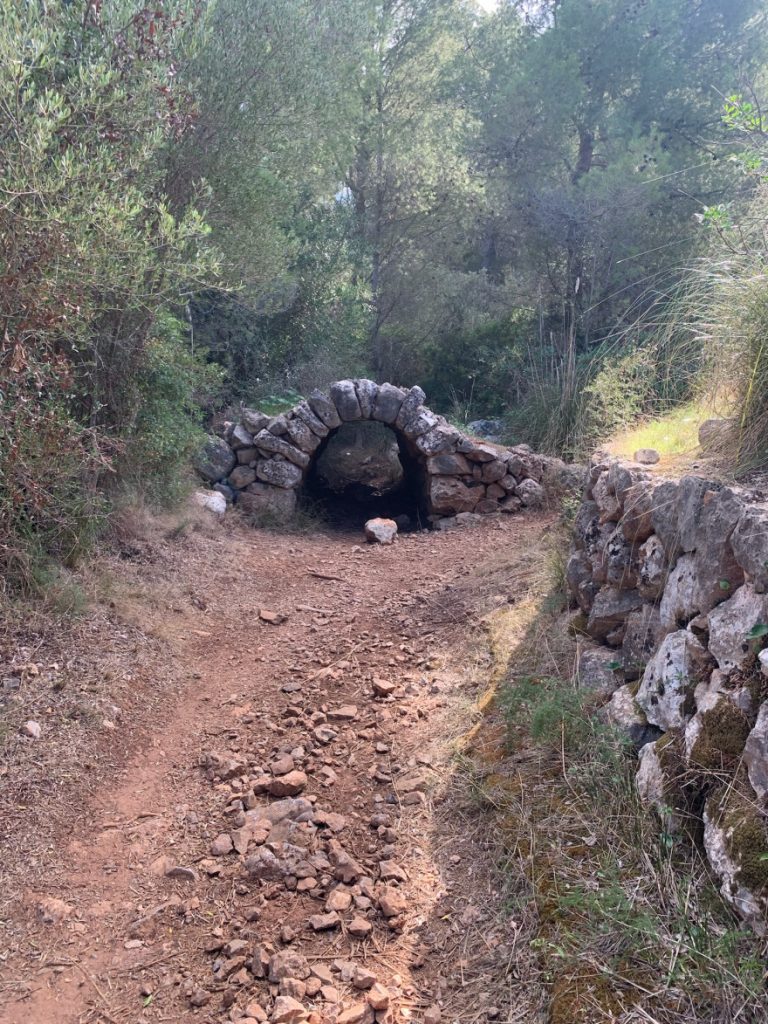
(261, 462)
(671, 577)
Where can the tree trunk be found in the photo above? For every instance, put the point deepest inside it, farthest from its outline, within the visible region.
(586, 155)
(377, 241)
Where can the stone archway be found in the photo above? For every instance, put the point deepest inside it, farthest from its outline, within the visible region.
(264, 460)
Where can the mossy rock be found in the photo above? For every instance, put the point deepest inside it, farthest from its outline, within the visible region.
(746, 830)
(752, 677)
(683, 789)
(749, 847)
(577, 626)
(723, 733)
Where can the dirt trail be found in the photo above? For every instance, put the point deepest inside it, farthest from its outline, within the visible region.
(139, 911)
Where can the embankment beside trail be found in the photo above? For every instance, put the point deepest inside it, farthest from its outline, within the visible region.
(671, 578)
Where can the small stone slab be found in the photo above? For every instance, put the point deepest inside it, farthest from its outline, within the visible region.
(324, 922)
(241, 476)
(272, 445)
(345, 713)
(301, 435)
(647, 456)
(314, 422)
(221, 845)
(278, 474)
(215, 460)
(452, 464)
(387, 405)
(392, 902)
(241, 438)
(439, 439)
(345, 399)
(367, 391)
(383, 687)
(322, 406)
(419, 423)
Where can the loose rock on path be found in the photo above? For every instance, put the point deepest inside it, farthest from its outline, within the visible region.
(272, 850)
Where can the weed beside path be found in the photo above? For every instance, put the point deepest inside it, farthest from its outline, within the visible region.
(623, 922)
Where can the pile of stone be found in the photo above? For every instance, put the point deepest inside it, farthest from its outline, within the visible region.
(261, 462)
(672, 577)
(280, 839)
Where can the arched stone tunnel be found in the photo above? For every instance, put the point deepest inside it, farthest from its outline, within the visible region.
(267, 463)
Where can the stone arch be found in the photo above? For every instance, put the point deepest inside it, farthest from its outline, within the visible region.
(264, 460)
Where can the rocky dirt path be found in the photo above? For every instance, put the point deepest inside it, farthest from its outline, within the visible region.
(282, 844)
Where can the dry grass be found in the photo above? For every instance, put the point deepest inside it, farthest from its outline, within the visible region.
(614, 920)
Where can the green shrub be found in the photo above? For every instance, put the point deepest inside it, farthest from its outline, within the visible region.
(90, 258)
(475, 373)
(50, 505)
(172, 389)
(550, 711)
(729, 293)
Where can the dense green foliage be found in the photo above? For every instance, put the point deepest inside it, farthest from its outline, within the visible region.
(89, 254)
(481, 171)
(203, 203)
(603, 139)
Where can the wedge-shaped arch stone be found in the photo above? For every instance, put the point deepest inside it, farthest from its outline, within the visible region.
(315, 424)
(304, 438)
(322, 406)
(387, 404)
(346, 401)
(412, 401)
(271, 445)
(279, 474)
(367, 391)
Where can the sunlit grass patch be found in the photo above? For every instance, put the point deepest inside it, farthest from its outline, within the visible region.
(673, 434)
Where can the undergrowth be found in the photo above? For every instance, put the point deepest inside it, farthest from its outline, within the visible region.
(622, 921)
(674, 433)
(642, 372)
(307, 518)
(735, 334)
(628, 918)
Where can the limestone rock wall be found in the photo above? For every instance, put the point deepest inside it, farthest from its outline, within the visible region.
(261, 462)
(671, 576)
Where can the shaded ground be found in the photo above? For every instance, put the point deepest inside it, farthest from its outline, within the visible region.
(361, 472)
(174, 663)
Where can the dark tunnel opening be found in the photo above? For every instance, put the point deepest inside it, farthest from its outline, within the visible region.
(361, 471)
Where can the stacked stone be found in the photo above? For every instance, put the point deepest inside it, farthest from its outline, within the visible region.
(262, 462)
(673, 577)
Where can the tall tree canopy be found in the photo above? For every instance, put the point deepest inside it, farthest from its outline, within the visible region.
(205, 202)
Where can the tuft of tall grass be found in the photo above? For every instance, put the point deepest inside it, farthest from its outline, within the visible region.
(735, 337)
(629, 923)
(616, 385)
